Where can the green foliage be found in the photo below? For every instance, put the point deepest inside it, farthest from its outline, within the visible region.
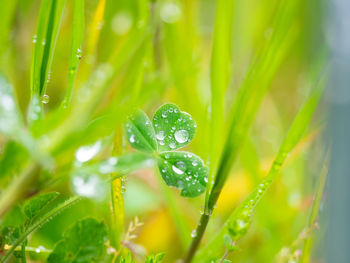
(34, 206)
(140, 133)
(185, 171)
(82, 242)
(173, 129)
(158, 258)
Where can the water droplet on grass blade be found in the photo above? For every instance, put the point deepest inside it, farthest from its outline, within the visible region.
(85, 153)
(194, 233)
(45, 99)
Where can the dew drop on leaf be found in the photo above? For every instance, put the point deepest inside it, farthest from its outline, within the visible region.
(181, 136)
(45, 99)
(160, 135)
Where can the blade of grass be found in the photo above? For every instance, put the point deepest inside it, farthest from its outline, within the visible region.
(76, 47)
(305, 256)
(94, 31)
(44, 46)
(247, 104)
(219, 81)
(118, 211)
(7, 13)
(239, 220)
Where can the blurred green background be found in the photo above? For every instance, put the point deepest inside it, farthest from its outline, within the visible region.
(176, 68)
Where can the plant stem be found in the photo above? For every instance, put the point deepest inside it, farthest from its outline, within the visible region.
(314, 212)
(203, 222)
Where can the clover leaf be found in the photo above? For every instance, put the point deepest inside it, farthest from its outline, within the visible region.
(174, 128)
(185, 171)
(140, 133)
(171, 129)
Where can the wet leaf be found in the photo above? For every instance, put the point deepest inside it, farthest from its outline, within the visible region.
(83, 242)
(140, 133)
(174, 128)
(185, 171)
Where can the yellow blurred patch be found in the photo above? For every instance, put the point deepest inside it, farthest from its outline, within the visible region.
(158, 232)
(237, 187)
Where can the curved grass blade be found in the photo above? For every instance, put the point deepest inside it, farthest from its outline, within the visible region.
(306, 252)
(219, 79)
(76, 48)
(44, 45)
(94, 31)
(239, 221)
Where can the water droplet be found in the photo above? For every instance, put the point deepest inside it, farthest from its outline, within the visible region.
(161, 143)
(85, 153)
(91, 186)
(170, 12)
(172, 145)
(195, 163)
(45, 99)
(132, 138)
(121, 23)
(35, 38)
(194, 233)
(181, 136)
(166, 156)
(79, 53)
(37, 250)
(206, 179)
(164, 114)
(179, 168)
(7, 102)
(160, 135)
(171, 110)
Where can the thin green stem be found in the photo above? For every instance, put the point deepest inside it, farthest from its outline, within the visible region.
(41, 221)
(305, 257)
(203, 222)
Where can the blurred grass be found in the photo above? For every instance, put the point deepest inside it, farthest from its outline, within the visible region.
(139, 54)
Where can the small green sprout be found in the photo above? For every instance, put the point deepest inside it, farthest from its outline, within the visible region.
(170, 130)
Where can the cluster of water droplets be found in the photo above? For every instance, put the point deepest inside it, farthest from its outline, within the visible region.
(176, 136)
(188, 173)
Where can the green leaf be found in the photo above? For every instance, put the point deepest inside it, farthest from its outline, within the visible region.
(155, 258)
(140, 133)
(185, 171)
(36, 205)
(174, 128)
(82, 242)
(75, 52)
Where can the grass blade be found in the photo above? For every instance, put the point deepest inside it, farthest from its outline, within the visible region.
(44, 46)
(76, 47)
(219, 80)
(239, 221)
